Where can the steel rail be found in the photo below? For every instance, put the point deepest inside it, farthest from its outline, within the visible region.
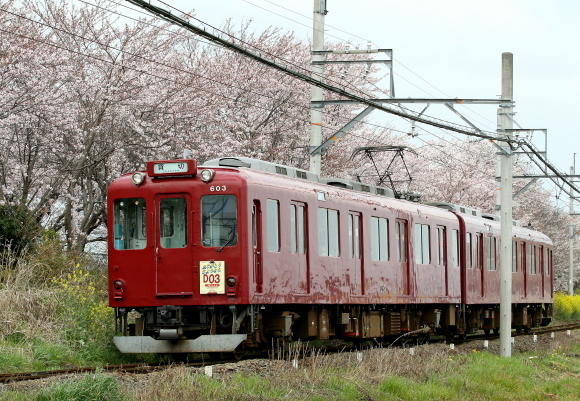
(131, 368)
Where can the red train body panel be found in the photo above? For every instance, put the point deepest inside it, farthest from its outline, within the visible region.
(248, 255)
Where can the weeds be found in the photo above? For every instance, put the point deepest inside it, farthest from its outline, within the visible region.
(90, 387)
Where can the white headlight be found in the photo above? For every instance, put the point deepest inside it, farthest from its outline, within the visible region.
(138, 178)
(206, 175)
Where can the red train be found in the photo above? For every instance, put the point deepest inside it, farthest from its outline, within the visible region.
(240, 253)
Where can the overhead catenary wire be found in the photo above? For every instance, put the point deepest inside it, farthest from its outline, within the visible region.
(165, 65)
(369, 41)
(161, 13)
(164, 78)
(392, 129)
(141, 57)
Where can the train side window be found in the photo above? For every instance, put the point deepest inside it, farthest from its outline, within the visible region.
(490, 253)
(219, 220)
(354, 235)
(422, 244)
(130, 230)
(273, 225)
(379, 238)
(547, 262)
(532, 263)
(479, 251)
(297, 228)
(401, 233)
(328, 238)
(514, 257)
(440, 258)
(540, 260)
(173, 222)
(468, 251)
(293, 229)
(455, 248)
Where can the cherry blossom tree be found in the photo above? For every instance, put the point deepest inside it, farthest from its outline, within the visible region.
(85, 98)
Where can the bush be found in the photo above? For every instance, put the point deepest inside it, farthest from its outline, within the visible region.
(18, 227)
(83, 307)
(566, 307)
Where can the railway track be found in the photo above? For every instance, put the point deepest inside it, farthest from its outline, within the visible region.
(131, 368)
(146, 368)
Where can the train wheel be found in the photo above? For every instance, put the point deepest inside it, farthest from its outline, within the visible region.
(486, 332)
(237, 355)
(222, 356)
(179, 357)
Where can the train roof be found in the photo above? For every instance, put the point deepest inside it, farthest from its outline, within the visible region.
(294, 172)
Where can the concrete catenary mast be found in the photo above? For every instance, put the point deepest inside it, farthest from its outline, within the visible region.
(504, 126)
(317, 74)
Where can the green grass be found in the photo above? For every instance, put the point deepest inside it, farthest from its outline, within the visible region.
(61, 320)
(434, 373)
(91, 387)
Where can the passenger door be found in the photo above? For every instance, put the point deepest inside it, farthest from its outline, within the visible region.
(355, 253)
(174, 263)
(299, 247)
(402, 234)
(257, 246)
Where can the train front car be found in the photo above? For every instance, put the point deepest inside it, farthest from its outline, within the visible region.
(176, 259)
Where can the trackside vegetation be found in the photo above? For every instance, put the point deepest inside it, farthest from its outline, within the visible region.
(566, 307)
(54, 313)
(434, 372)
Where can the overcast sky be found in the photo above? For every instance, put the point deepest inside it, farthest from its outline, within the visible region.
(451, 48)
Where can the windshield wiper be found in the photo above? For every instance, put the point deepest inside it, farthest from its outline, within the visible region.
(232, 236)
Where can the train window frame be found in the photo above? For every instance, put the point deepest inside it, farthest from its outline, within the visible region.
(273, 225)
(454, 248)
(328, 232)
(532, 256)
(401, 238)
(540, 260)
(298, 232)
(479, 255)
(210, 220)
(422, 233)
(441, 245)
(379, 238)
(173, 226)
(129, 228)
(491, 253)
(354, 234)
(468, 251)
(515, 256)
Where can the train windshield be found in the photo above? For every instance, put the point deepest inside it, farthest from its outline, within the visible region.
(219, 220)
(130, 223)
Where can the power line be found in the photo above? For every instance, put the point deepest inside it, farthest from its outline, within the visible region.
(270, 53)
(148, 60)
(169, 66)
(348, 41)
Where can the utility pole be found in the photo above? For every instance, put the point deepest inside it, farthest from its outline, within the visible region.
(505, 113)
(317, 74)
(571, 235)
